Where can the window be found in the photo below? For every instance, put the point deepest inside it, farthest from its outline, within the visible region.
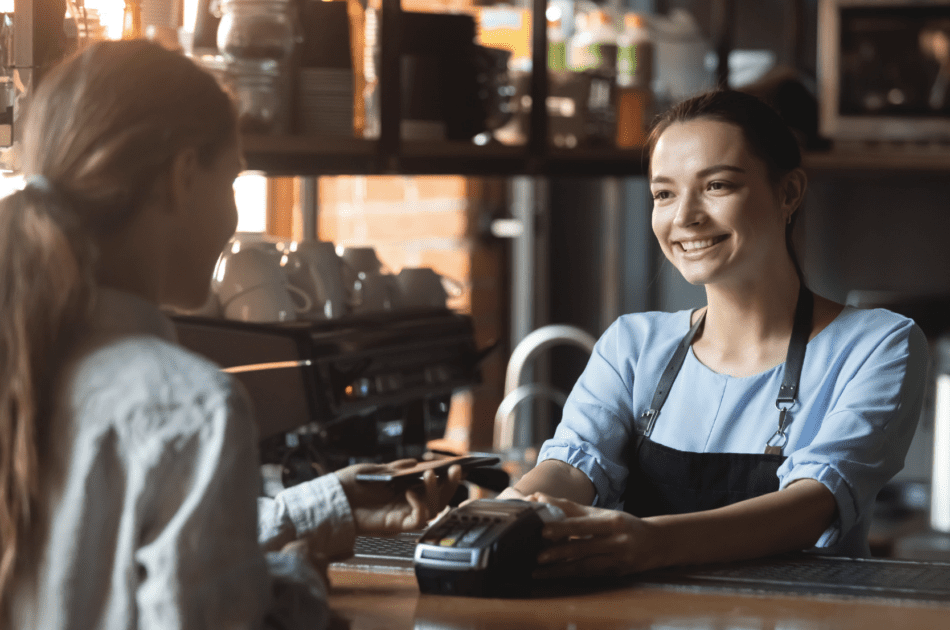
(250, 193)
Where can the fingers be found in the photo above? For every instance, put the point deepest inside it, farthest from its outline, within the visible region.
(570, 508)
(431, 482)
(418, 512)
(511, 493)
(450, 485)
(585, 526)
(455, 474)
(615, 546)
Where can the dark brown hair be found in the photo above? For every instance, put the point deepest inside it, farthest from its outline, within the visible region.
(102, 129)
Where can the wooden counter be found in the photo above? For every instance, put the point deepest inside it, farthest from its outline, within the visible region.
(372, 601)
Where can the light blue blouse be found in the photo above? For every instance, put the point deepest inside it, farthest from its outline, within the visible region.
(859, 401)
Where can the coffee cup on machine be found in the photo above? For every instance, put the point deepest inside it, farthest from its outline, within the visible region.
(253, 287)
(360, 260)
(314, 267)
(422, 287)
(375, 292)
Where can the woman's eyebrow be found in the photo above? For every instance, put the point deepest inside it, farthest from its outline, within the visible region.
(706, 172)
(719, 167)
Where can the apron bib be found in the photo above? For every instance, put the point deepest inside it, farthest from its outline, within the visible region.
(664, 480)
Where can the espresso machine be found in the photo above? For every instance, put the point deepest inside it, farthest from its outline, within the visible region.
(368, 388)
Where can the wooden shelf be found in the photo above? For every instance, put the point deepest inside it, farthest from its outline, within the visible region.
(316, 155)
(878, 159)
(310, 155)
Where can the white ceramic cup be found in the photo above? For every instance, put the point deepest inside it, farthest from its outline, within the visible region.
(211, 307)
(266, 303)
(375, 292)
(315, 268)
(254, 240)
(253, 287)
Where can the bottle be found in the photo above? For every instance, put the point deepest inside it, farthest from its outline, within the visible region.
(634, 77)
(257, 29)
(557, 46)
(594, 45)
(132, 20)
(634, 53)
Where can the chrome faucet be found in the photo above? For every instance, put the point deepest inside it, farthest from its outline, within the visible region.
(515, 392)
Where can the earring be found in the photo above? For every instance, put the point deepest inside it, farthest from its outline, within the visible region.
(789, 222)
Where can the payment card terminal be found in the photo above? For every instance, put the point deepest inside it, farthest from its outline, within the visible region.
(486, 548)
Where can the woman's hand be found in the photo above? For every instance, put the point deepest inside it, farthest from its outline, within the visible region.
(379, 507)
(593, 541)
(511, 493)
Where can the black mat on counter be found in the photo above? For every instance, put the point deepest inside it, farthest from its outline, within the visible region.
(806, 574)
(797, 574)
(383, 554)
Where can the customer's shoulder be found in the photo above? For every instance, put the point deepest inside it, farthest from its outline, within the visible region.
(144, 387)
(142, 369)
(147, 356)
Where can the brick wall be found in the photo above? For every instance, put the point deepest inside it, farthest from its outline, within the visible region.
(434, 222)
(421, 222)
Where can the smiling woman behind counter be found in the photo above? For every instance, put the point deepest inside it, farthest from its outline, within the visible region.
(763, 423)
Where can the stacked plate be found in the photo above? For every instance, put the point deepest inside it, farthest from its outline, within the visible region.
(325, 101)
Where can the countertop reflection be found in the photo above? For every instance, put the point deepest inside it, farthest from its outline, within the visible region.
(374, 601)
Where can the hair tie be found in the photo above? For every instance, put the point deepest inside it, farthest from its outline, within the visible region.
(40, 183)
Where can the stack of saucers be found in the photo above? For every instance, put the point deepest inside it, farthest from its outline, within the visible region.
(325, 101)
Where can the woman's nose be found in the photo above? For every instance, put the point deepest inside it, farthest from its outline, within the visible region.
(689, 212)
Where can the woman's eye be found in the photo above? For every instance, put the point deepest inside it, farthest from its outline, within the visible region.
(661, 194)
(718, 185)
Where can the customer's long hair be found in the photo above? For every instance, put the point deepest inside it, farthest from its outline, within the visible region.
(102, 129)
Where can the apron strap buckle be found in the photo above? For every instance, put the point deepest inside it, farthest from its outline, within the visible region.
(776, 443)
(644, 424)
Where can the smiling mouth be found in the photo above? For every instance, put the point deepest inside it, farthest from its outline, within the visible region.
(697, 245)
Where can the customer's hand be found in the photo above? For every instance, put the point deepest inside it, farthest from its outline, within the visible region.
(593, 541)
(379, 507)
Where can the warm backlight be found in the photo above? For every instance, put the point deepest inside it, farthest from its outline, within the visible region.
(110, 15)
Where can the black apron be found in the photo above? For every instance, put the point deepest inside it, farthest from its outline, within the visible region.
(663, 480)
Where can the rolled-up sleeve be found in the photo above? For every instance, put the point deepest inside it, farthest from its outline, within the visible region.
(864, 437)
(594, 428)
(317, 510)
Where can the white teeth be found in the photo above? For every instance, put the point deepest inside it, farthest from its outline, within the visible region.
(693, 245)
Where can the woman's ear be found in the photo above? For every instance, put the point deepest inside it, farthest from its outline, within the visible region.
(792, 191)
(182, 178)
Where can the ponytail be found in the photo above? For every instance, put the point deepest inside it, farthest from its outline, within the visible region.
(46, 266)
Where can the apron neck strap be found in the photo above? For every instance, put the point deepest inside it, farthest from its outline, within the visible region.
(644, 424)
(795, 358)
(801, 329)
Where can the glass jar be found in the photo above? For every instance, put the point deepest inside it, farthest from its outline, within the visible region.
(257, 29)
(259, 90)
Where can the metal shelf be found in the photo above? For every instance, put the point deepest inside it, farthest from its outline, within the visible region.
(879, 160)
(315, 155)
